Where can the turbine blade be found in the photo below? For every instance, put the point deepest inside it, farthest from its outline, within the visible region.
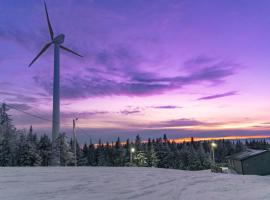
(49, 23)
(41, 52)
(69, 50)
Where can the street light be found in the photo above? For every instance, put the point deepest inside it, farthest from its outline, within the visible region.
(213, 145)
(75, 141)
(132, 150)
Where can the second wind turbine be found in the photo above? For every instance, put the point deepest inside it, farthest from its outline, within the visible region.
(57, 42)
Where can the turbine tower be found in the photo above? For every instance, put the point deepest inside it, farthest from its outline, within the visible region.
(57, 42)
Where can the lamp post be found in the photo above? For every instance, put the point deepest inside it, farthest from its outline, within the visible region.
(213, 146)
(75, 141)
(132, 150)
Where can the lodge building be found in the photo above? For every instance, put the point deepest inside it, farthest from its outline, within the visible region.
(250, 161)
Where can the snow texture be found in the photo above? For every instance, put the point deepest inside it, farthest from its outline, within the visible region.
(106, 183)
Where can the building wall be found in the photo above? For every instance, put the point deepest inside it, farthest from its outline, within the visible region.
(259, 164)
(237, 166)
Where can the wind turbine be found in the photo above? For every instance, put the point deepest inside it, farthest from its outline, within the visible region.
(57, 42)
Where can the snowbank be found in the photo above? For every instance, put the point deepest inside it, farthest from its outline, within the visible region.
(106, 183)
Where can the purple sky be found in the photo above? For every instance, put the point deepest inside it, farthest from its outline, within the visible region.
(182, 67)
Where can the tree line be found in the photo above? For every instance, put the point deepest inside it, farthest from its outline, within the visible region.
(25, 148)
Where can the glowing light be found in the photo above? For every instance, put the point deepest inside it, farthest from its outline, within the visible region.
(214, 145)
(132, 150)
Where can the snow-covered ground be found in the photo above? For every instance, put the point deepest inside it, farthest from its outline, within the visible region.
(106, 183)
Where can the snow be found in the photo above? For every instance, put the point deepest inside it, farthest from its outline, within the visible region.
(107, 183)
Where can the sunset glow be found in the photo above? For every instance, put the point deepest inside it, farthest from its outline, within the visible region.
(240, 137)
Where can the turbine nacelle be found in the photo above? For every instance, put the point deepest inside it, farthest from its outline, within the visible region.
(59, 39)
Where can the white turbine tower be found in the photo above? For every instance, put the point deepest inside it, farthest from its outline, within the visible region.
(57, 42)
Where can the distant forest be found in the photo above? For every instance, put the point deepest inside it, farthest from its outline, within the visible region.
(25, 148)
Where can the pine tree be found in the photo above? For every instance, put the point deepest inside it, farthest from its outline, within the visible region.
(183, 157)
(100, 156)
(45, 150)
(83, 159)
(108, 153)
(152, 159)
(194, 161)
(8, 139)
(32, 143)
(239, 146)
(22, 152)
(66, 155)
(91, 155)
(127, 149)
(204, 157)
(118, 154)
(27, 151)
(163, 153)
(138, 143)
(165, 139)
(140, 159)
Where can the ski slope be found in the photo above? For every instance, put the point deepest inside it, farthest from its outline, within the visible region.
(106, 183)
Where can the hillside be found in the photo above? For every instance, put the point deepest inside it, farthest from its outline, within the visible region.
(106, 183)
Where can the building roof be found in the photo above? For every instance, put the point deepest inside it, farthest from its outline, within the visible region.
(245, 154)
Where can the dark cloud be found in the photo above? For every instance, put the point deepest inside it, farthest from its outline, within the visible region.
(130, 111)
(174, 123)
(266, 123)
(13, 97)
(19, 106)
(166, 107)
(177, 123)
(218, 95)
(83, 114)
(117, 71)
(44, 117)
(83, 87)
(199, 60)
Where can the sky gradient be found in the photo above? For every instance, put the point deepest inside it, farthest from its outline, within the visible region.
(185, 67)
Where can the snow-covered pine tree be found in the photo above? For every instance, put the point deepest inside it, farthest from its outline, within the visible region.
(127, 149)
(66, 155)
(140, 159)
(32, 142)
(27, 151)
(22, 151)
(138, 142)
(118, 154)
(165, 139)
(152, 159)
(100, 155)
(239, 146)
(108, 154)
(194, 162)
(45, 150)
(83, 159)
(163, 152)
(91, 154)
(204, 158)
(8, 139)
(183, 156)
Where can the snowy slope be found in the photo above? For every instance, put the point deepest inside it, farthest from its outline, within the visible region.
(100, 183)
